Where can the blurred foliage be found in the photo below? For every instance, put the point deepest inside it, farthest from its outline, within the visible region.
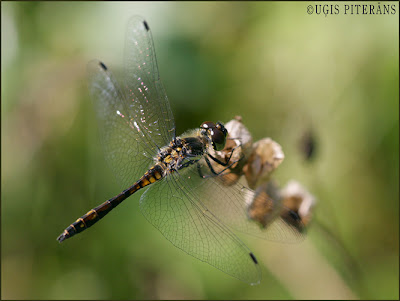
(284, 71)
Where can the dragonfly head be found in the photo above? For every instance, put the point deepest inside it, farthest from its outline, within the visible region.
(216, 133)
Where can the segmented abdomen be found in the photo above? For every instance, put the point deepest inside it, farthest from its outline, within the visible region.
(93, 216)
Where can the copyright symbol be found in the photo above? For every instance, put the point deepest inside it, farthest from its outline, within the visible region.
(310, 9)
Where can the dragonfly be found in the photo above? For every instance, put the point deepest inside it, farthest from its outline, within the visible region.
(185, 197)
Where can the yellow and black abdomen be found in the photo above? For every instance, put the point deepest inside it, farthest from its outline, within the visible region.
(93, 216)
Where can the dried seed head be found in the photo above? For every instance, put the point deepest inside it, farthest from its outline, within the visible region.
(256, 161)
(264, 205)
(267, 155)
(296, 198)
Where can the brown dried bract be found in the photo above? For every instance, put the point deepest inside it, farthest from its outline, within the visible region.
(264, 205)
(266, 156)
(296, 198)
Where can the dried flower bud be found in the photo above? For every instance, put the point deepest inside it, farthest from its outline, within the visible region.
(264, 205)
(267, 155)
(296, 198)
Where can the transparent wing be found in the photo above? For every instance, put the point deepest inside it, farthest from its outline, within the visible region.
(146, 93)
(177, 211)
(230, 205)
(127, 150)
(135, 121)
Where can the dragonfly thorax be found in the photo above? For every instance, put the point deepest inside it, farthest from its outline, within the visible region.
(181, 151)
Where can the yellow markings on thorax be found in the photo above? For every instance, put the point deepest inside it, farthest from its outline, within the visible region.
(168, 159)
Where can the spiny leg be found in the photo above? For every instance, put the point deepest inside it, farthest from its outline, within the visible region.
(212, 169)
(227, 160)
(188, 163)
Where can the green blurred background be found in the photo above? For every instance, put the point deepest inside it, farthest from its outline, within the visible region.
(284, 71)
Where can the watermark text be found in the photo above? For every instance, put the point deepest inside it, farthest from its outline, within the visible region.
(352, 9)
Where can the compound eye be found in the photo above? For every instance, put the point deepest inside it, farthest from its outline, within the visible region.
(207, 125)
(221, 127)
(218, 139)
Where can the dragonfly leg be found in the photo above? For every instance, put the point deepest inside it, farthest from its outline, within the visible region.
(212, 169)
(227, 160)
(188, 163)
